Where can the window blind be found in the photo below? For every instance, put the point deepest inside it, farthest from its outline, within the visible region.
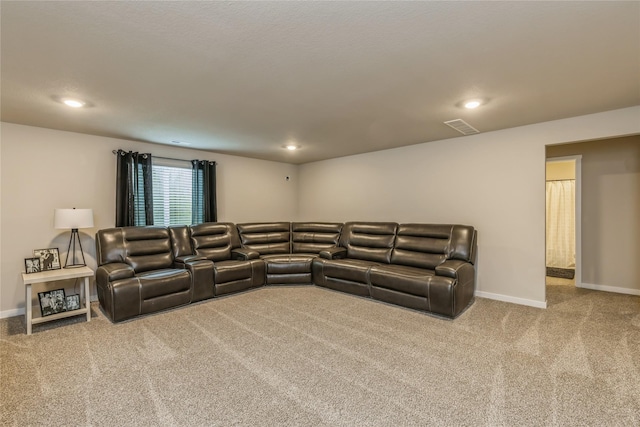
(171, 194)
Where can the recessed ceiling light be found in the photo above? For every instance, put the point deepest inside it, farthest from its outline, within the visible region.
(474, 103)
(291, 147)
(74, 103)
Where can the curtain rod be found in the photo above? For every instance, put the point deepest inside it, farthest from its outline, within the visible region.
(165, 158)
(556, 180)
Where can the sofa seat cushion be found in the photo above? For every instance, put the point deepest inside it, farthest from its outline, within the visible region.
(235, 276)
(410, 280)
(158, 283)
(437, 293)
(231, 270)
(288, 269)
(353, 270)
(288, 264)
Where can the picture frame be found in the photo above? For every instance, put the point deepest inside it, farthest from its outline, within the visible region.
(52, 302)
(49, 258)
(73, 302)
(32, 265)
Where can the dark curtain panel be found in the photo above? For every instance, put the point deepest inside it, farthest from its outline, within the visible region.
(204, 192)
(134, 193)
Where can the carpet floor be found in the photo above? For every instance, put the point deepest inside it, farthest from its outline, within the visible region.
(307, 356)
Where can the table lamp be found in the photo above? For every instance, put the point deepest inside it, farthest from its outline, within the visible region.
(73, 219)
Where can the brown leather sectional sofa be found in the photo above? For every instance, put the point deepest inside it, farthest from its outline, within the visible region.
(421, 266)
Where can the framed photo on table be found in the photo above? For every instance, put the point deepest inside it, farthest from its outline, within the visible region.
(49, 258)
(73, 302)
(52, 302)
(32, 265)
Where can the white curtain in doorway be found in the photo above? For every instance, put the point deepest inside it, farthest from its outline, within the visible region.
(561, 229)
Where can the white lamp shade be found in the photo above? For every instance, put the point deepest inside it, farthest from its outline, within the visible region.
(73, 218)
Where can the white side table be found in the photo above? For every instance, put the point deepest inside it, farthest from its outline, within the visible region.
(51, 276)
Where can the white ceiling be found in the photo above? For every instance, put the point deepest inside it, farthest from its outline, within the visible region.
(336, 78)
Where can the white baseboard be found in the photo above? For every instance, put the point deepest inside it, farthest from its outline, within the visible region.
(607, 288)
(12, 313)
(514, 300)
(20, 311)
(498, 297)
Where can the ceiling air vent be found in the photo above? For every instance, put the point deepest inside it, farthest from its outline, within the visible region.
(462, 126)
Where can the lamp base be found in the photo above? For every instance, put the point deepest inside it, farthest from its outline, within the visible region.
(72, 242)
(74, 265)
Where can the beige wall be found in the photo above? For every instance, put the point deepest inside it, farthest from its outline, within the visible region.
(461, 180)
(561, 170)
(494, 181)
(610, 211)
(44, 169)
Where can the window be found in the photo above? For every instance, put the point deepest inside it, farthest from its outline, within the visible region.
(172, 189)
(164, 191)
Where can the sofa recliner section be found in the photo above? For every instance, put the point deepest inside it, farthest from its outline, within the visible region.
(431, 269)
(137, 274)
(364, 244)
(288, 249)
(427, 267)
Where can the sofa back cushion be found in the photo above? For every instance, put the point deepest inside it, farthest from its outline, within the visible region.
(266, 237)
(214, 240)
(181, 240)
(429, 245)
(370, 241)
(147, 248)
(109, 246)
(464, 243)
(312, 237)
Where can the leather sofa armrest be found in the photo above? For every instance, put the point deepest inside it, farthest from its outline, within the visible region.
(464, 274)
(114, 271)
(244, 254)
(181, 261)
(455, 268)
(201, 271)
(333, 253)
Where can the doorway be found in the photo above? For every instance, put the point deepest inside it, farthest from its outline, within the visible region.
(563, 220)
